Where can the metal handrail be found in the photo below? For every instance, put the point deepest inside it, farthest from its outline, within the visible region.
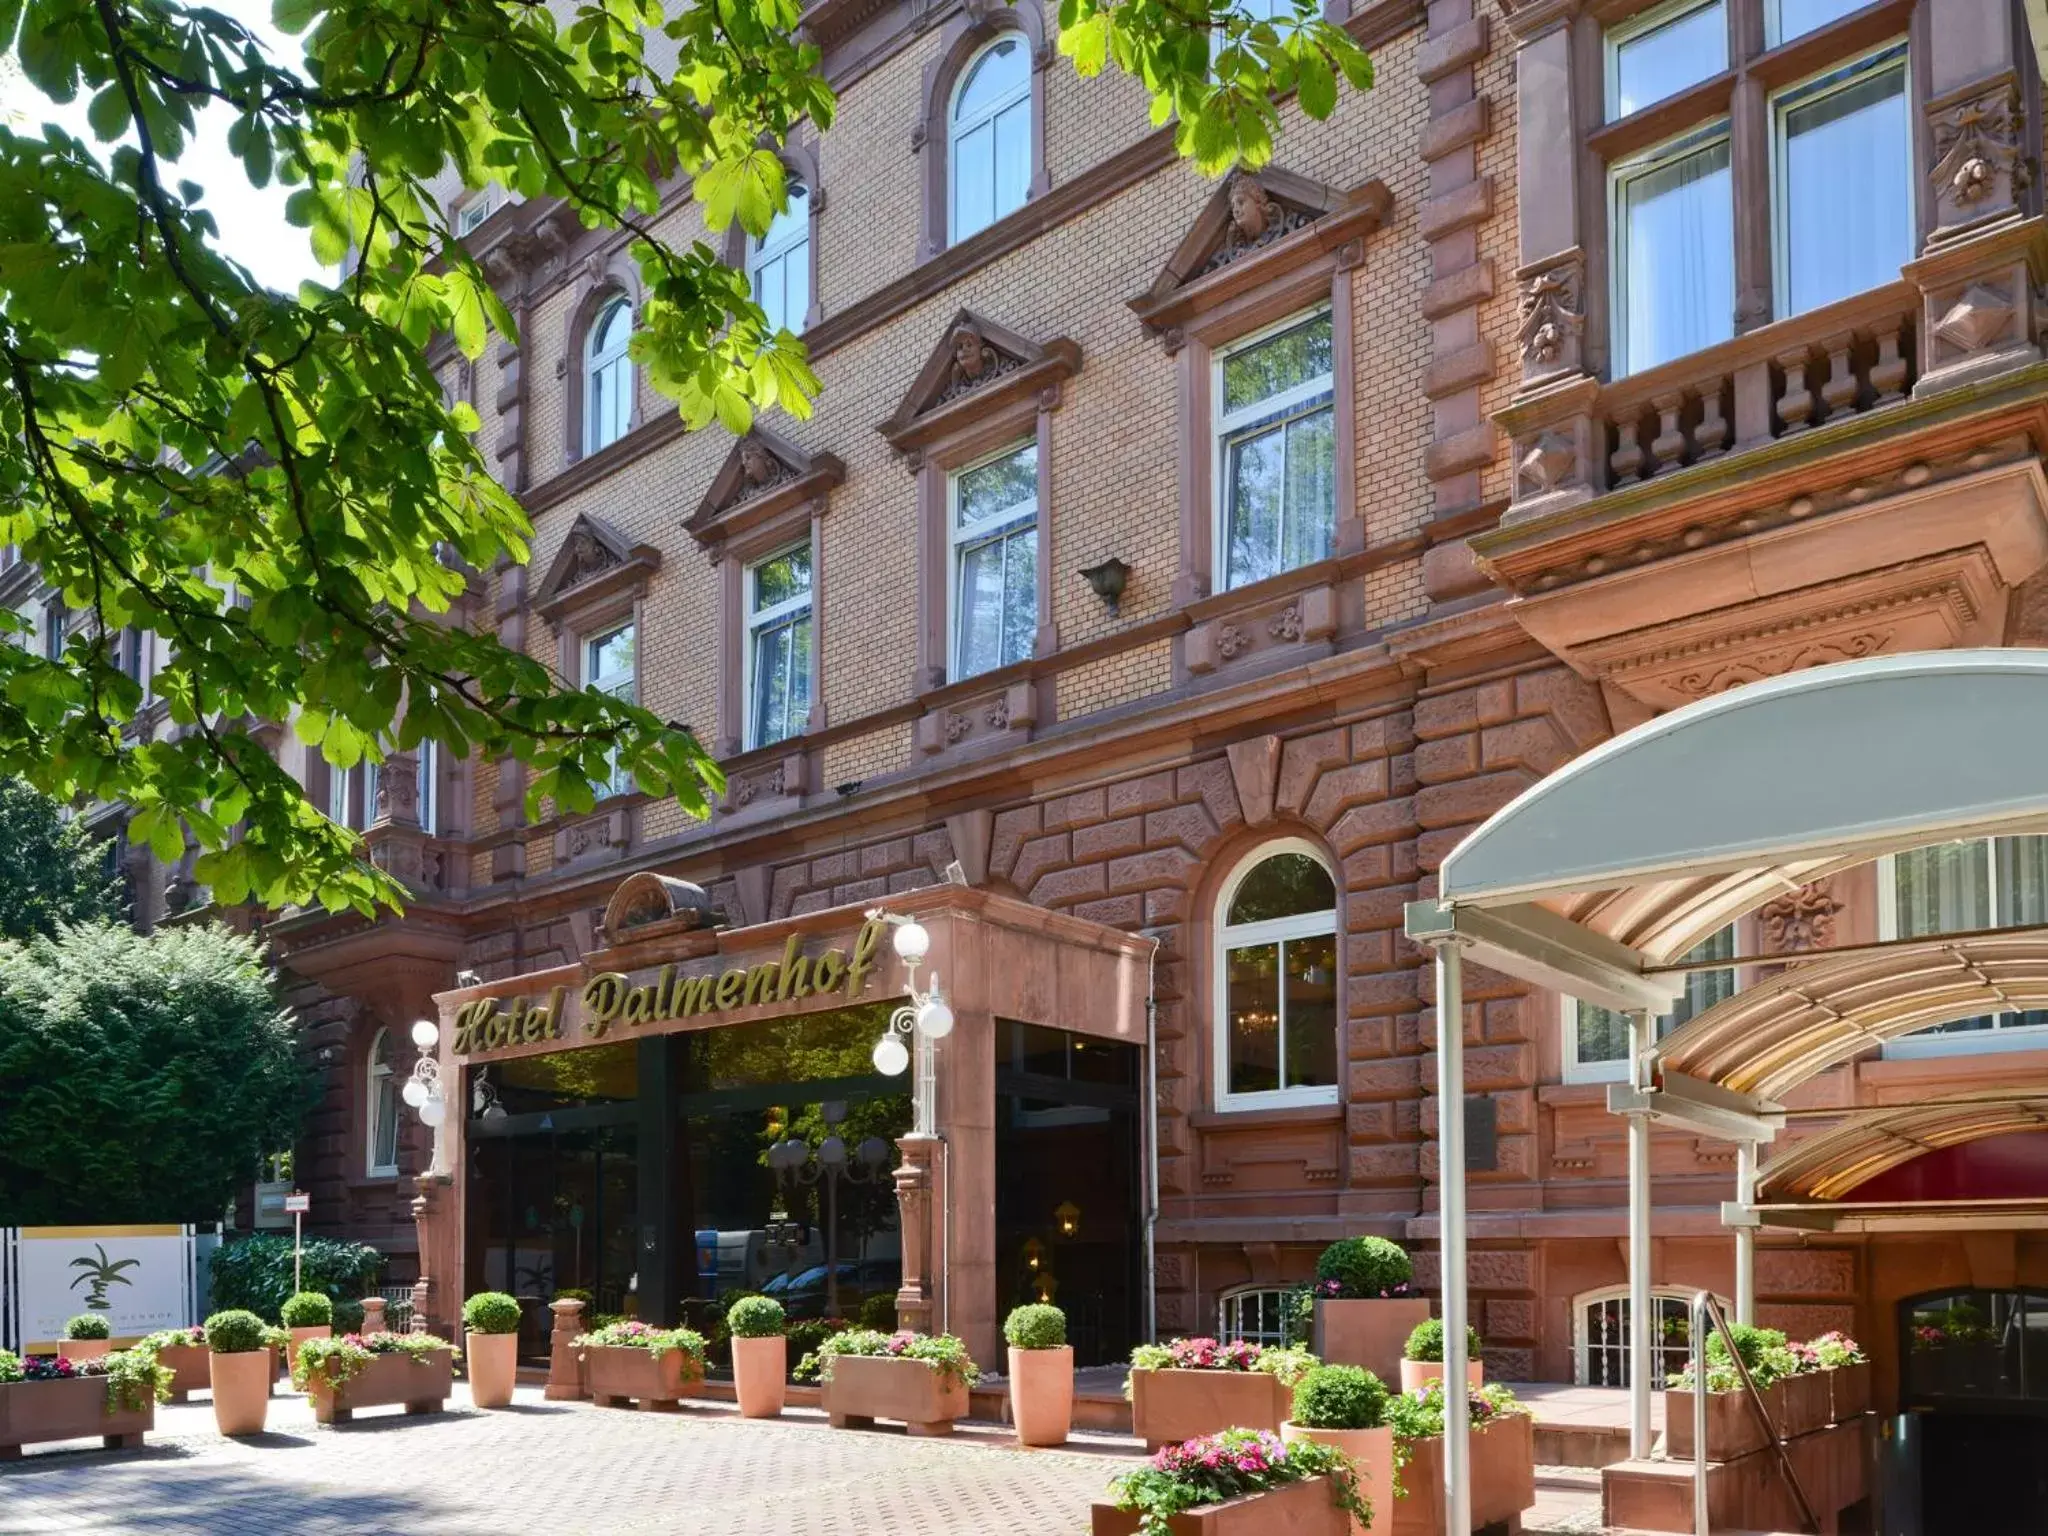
(1704, 1308)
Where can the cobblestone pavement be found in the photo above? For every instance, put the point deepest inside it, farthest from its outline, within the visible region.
(556, 1468)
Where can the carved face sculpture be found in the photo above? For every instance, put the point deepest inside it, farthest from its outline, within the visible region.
(970, 353)
(756, 463)
(1250, 210)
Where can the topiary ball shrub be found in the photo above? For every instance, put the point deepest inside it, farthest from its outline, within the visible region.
(235, 1332)
(307, 1309)
(755, 1317)
(1365, 1267)
(1426, 1342)
(491, 1312)
(1037, 1326)
(348, 1317)
(1340, 1397)
(87, 1325)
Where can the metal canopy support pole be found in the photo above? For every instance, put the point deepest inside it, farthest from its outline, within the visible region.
(1641, 1368)
(1745, 1234)
(1450, 1138)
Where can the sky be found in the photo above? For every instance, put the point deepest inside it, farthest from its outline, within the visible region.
(252, 223)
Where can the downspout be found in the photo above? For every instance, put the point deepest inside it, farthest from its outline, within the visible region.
(1151, 1146)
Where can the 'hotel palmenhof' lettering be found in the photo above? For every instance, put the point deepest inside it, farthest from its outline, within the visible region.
(610, 998)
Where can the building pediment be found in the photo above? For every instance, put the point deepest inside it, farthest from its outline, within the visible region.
(976, 368)
(596, 561)
(762, 480)
(1258, 228)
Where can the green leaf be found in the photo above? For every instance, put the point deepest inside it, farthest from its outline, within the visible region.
(295, 15)
(1318, 90)
(108, 114)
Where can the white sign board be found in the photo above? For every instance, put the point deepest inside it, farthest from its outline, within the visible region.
(139, 1278)
(297, 1205)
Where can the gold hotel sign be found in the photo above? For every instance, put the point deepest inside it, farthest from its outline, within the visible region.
(612, 999)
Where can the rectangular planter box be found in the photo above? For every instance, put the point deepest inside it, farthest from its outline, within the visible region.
(1170, 1406)
(1299, 1509)
(1367, 1333)
(189, 1367)
(1848, 1391)
(1732, 1429)
(1804, 1400)
(864, 1388)
(1503, 1479)
(387, 1381)
(617, 1376)
(35, 1411)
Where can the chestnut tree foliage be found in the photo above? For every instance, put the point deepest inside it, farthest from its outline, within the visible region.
(274, 483)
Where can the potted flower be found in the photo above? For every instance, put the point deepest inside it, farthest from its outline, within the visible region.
(181, 1351)
(240, 1366)
(1365, 1304)
(1847, 1369)
(305, 1315)
(1732, 1427)
(86, 1337)
(1237, 1481)
(1503, 1467)
(760, 1356)
(1190, 1387)
(1802, 1393)
(1041, 1374)
(375, 1370)
(112, 1396)
(1345, 1408)
(918, 1379)
(630, 1361)
(491, 1323)
(1422, 1357)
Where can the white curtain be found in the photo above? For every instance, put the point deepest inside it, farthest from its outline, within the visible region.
(1679, 229)
(1848, 207)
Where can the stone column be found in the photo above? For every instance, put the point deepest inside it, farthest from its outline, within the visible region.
(436, 1295)
(565, 1366)
(917, 1297)
(373, 1316)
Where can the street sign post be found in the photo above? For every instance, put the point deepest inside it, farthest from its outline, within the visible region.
(297, 1203)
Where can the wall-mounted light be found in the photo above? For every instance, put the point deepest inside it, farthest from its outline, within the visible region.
(1068, 1215)
(1108, 579)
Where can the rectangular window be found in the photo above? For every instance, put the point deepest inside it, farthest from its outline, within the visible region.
(1276, 450)
(53, 632)
(1674, 258)
(779, 647)
(470, 216)
(1596, 1039)
(1663, 52)
(1787, 19)
(429, 786)
(1963, 888)
(993, 520)
(608, 666)
(781, 265)
(1842, 160)
(341, 797)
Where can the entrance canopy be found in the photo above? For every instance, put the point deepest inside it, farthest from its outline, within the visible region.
(1837, 1161)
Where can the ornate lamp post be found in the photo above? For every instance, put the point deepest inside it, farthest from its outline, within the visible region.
(926, 1019)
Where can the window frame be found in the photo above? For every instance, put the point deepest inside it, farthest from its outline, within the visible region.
(380, 1083)
(954, 129)
(1238, 1295)
(752, 622)
(1613, 39)
(588, 645)
(1615, 1070)
(798, 238)
(1226, 936)
(1634, 167)
(1582, 1339)
(471, 213)
(1921, 1044)
(1273, 411)
(1774, 22)
(1020, 516)
(1888, 57)
(592, 363)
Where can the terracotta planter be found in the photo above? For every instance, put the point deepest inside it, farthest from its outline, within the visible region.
(419, 1386)
(864, 1388)
(1170, 1406)
(241, 1390)
(35, 1411)
(1299, 1509)
(1372, 1455)
(84, 1349)
(1042, 1394)
(1732, 1429)
(1802, 1405)
(187, 1364)
(760, 1375)
(299, 1336)
(617, 1375)
(493, 1367)
(1848, 1391)
(1503, 1479)
(1367, 1333)
(1417, 1374)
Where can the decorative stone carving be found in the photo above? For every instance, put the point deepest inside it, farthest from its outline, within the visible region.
(1231, 641)
(1977, 150)
(764, 480)
(975, 362)
(1286, 624)
(957, 725)
(594, 559)
(1801, 920)
(746, 790)
(998, 712)
(398, 790)
(1548, 463)
(588, 557)
(758, 466)
(1796, 658)
(1553, 317)
(1256, 219)
(977, 366)
(1981, 315)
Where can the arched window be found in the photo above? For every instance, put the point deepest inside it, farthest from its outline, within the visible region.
(381, 1095)
(1600, 1336)
(607, 376)
(779, 264)
(1276, 981)
(1258, 1314)
(989, 138)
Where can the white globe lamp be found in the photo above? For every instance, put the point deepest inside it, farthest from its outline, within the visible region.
(911, 941)
(891, 1059)
(935, 1018)
(426, 1034)
(433, 1112)
(414, 1092)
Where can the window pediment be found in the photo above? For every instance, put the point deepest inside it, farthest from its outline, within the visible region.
(762, 482)
(1256, 230)
(595, 562)
(976, 370)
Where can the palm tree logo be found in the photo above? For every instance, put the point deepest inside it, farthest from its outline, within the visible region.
(101, 1272)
